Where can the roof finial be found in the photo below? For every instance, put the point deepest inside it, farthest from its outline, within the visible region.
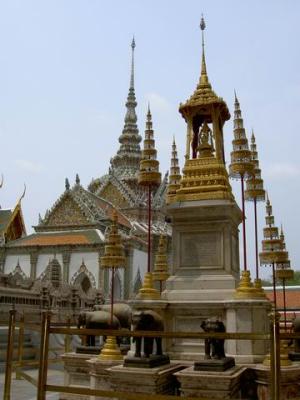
(204, 77)
(77, 179)
(2, 179)
(23, 194)
(67, 184)
(132, 64)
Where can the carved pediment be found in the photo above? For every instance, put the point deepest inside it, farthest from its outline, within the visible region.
(67, 212)
(112, 194)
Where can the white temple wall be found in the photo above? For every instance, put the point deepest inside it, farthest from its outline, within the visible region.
(11, 262)
(139, 263)
(90, 261)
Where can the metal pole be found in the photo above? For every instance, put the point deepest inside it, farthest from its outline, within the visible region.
(256, 239)
(43, 365)
(9, 354)
(112, 296)
(284, 304)
(275, 356)
(244, 224)
(274, 286)
(149, 229)
(20, 345)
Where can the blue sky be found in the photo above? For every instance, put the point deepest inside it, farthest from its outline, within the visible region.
(64, 76)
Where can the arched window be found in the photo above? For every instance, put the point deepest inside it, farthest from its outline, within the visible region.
(137, 282)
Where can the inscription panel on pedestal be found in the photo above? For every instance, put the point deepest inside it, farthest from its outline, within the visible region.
(201, 250)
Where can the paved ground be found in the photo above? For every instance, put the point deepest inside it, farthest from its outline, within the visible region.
(23, 390)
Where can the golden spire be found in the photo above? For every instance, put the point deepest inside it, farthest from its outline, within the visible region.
(203, 77)
(175, 176)
(160, 272)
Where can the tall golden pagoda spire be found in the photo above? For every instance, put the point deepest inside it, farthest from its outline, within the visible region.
(204, 174)
(175, 176)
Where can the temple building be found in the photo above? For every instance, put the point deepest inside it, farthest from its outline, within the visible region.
(72, 232)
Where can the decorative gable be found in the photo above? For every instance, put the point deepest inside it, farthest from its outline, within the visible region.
(66, 212)
(111, 193)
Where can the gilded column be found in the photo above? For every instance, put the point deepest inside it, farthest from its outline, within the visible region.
(33, 263)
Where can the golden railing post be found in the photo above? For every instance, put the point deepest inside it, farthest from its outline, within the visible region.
(20, 345)
(9, 354)
(275, 355)
(68, 337)
(44, 348)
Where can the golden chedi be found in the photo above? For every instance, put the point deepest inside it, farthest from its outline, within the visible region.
(174, 177)
(204, 173)
(160, 272)
(114, 257)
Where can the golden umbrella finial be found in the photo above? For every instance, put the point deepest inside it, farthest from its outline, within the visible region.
(114, 257)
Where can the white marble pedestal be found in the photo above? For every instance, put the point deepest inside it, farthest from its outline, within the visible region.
(211, 385)
(158, 380)
(76, 373)
(100, 376)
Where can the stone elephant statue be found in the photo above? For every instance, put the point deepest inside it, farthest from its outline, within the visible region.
(147, 320)
(96, 320)
(214, 348)
(121, 310)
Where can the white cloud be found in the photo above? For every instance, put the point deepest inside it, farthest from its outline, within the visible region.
(282, 170)
(29, 166)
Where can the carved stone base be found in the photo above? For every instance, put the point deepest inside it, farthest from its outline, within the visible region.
(214, 365)
(209, 384)
(146, 362)
(158, 380)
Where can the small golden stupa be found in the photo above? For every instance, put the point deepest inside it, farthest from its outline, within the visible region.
(149, 176)
(174, 177)
(283, 269)
(160, 272)
(204, 173)
(114, 257)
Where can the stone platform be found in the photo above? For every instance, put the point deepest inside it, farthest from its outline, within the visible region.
(100, 376)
